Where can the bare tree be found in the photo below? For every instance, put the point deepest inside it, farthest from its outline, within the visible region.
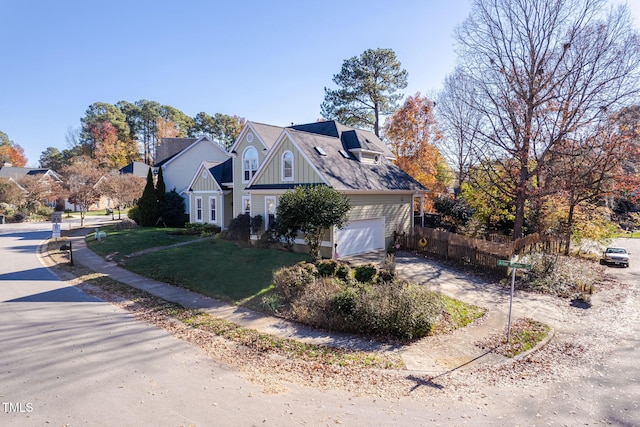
(543, 72)
(460, 123)
(38, 190)
(80, 178)
(123, 189)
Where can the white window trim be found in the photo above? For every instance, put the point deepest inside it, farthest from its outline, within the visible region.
(251, 175)
(213, 219)
(266, 210)
(244, 198)
(282, 166)
(198, 209)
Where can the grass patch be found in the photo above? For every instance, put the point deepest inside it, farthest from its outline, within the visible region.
(159, 312)
(456, 314)
(525, 335)
(121, 243)
(217, 268)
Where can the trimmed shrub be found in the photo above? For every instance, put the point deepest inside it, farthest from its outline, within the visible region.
(240, 228)
(327, 268)
(197, 228)
(365, 273)
(172, 209)
(343, 271)
(134, 214)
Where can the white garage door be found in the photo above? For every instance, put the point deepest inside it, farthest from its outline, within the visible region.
(361, 236)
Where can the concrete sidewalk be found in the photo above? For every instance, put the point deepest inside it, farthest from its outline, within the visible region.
(435, 355)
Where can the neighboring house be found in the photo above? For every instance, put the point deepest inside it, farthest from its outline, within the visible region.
(14, 175)
(169, 147)
(178, 169)
(268, 160)
(136, 169)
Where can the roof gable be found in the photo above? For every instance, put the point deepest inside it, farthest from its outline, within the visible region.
(220, 172)
(272, 156)
(266, 134)
(202, 140)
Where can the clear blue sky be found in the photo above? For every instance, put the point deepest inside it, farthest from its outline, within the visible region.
(267, 61)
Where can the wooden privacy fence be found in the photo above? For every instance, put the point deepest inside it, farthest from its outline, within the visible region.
(482, 254)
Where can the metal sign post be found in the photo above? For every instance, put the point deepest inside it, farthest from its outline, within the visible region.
(513, 265)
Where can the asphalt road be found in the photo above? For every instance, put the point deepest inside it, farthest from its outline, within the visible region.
(69, 359)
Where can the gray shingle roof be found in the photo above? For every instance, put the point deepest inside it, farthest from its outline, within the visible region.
(16, 173)
(268, 133)
(223, 172)
(169, 147)
(352, 138)
(349, 173)
(136, 168)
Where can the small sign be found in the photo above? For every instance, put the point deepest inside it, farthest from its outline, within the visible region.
(55, 234)
(56, 217)
(512, 264)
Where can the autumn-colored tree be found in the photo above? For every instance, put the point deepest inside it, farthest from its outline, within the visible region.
(123, 189)
(80, 179)
(221, 128)
(38, 190)
(544, 72)
(585, 170)
(10, 152)
(184, 124)
(166, 129)
(628, 124)
(413, 137)
(10, 193)
(489, 192)
(111, 152)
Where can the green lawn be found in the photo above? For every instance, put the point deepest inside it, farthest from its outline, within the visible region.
(217, 268)
(126, 242)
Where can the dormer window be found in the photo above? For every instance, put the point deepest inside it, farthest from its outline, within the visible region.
(249, 163)
(287, 166)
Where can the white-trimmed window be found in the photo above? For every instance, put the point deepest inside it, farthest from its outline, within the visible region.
(287, 166)
(198, 209)
(246, 205)
(249, 163)
(269, 211)
(212, 210)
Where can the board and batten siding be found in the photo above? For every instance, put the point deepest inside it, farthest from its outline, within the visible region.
(205, 182)
(302, 170)
(238, 185)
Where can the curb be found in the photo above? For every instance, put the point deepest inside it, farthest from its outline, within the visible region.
(538, 347)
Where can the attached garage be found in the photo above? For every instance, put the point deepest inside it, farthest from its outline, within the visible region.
(360, 236)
